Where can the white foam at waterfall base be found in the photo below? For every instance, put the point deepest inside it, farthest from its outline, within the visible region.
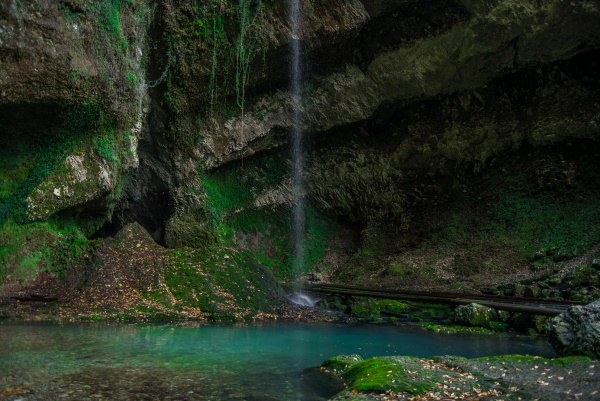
(303, 299)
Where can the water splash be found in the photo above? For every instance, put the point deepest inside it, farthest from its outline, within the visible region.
(303, 299)
(298, 223)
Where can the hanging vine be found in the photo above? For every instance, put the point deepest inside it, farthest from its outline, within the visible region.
(249, 44)
(238, 53)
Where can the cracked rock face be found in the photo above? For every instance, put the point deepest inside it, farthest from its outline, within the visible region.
(577, 331)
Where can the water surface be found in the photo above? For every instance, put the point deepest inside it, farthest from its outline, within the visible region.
(265, 362)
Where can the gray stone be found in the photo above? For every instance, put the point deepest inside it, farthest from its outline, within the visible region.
(475, 315)
(577, 331)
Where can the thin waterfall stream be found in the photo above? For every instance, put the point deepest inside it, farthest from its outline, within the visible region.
(297, 153)
(298, 223)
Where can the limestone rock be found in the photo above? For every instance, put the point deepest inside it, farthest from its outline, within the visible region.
(577, 331)
(475, 315)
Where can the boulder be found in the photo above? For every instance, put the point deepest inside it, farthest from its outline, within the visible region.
(475, 315)
(577, 331)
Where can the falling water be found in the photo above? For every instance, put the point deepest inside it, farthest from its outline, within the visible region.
(303, 299)
(298, 224)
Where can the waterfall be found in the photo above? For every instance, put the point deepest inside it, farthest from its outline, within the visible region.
(298, 222)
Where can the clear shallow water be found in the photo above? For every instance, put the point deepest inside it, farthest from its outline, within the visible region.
(265, 362)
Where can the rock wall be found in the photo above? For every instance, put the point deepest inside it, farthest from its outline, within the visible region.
(446, 140)
(73, 102)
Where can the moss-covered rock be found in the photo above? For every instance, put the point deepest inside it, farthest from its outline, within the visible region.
(577, 331)
(390, 374)
(341, 362)
(510, 377)
(475, 315)
(36, 254)
(72, 111)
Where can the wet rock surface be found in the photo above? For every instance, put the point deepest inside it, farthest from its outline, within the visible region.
(577, 331)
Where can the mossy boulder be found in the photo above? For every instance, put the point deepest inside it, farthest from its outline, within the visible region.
(512, 377)
(475, 315)
(383, 374)
(341, 362)
(35, 254)
(577, 331)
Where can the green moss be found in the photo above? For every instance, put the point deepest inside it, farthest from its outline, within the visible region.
(365, 308)
(12, 174)
(106, 146)
(26, 250)
(108, 15)
(454, 329)
(95, 318)
(391, 305)
(223, 42)
(383, 374)
(573, 361)
(228, 284)
(498, 326)
(540, 225)
(475, 315)
(341, 362)
(230, 194)
(372, 375)
(41, 148)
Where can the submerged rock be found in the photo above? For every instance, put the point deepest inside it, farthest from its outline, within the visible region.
(475, 315)
(577, 331)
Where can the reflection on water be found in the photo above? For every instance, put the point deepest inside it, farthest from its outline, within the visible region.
(266, 362)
